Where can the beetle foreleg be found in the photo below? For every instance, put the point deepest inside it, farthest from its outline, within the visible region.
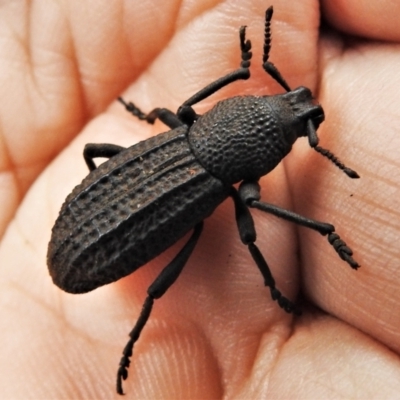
(163, 114)
(161, 284)
(185, 111)
(250, 194)
(247, 234)
(94, 150)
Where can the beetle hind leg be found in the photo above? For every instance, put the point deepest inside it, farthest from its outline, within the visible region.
(161, 284)
(247, 234)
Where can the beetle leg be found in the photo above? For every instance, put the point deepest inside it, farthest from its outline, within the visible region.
(186, 112)
(163, 114)
(247, 234)
(161, 284)
(250, 194)
(94, 150)
(267, 65)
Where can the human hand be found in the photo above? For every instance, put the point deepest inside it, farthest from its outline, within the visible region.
(216, 332)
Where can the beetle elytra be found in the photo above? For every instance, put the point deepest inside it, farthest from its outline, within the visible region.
(146, 197)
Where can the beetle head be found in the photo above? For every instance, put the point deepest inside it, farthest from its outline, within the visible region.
(304, 107)
(308, 111)
(295, 109)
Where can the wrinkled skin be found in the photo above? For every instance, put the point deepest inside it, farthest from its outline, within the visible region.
(216, 333)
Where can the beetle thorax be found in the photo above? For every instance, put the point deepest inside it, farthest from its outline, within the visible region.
(241, 138)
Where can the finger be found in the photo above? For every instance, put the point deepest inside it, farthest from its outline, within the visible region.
(60, 67)
(324, 358)
(358, 91)
(372, 19)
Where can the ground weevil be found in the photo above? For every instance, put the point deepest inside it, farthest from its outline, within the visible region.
(146, 197)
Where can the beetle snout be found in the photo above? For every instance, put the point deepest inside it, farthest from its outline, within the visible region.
(311, 110)
(316, 114)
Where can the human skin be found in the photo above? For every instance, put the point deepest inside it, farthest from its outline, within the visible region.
(216, 333)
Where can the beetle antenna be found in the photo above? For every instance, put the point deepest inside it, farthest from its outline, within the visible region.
(326, 153)
(313, 140)
(267, 65)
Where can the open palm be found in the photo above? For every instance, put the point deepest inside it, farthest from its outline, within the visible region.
(216, 333)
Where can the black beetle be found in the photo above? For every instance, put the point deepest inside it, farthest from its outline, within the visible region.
(146, 197)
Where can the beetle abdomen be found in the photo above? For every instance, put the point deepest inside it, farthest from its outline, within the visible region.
(129, 210)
